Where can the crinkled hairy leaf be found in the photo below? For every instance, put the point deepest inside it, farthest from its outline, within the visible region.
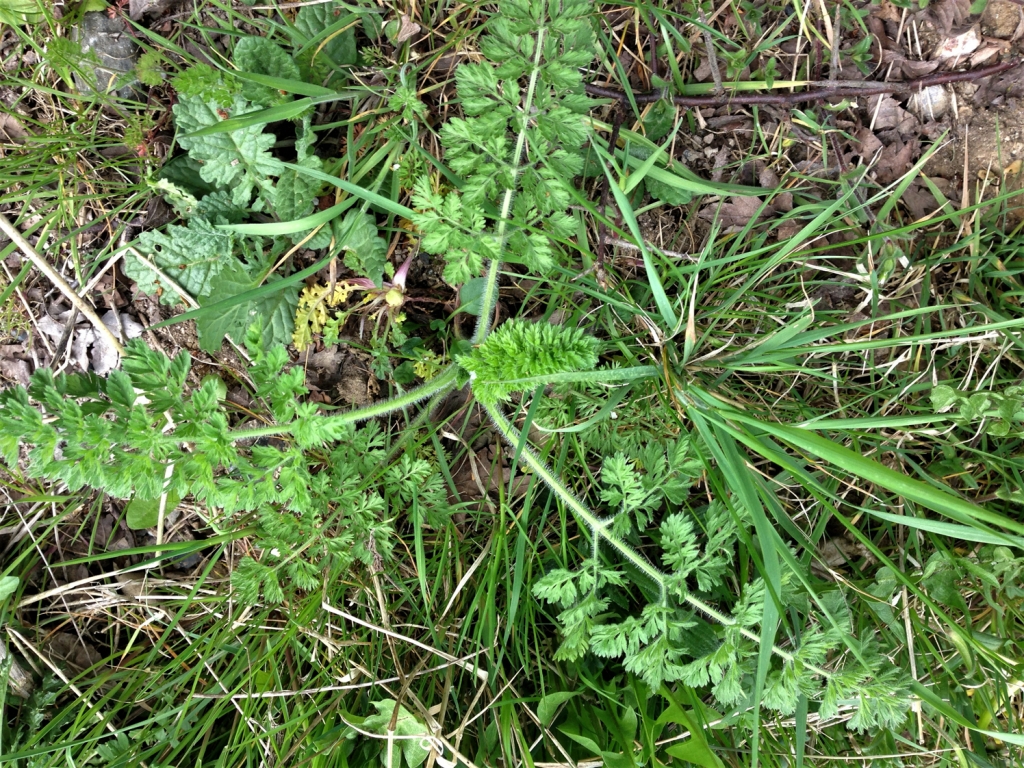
(295, 192)
(204, 82)
(305, 138)
(365, 251)
(276, 310)
(191, 256)
(184, 172)
(260, 56)
(238, 159)
(218, 208)
(320, 239)
(145, 513)
(404, 724)
(338, 50)
(667, 194)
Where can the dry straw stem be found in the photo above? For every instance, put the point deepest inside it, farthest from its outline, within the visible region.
(55, 277)
(481, 673)
(19, 681)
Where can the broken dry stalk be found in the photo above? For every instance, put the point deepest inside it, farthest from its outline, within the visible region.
(57, 279)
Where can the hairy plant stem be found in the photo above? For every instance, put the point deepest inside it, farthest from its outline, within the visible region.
(583, 513)
(599, 530)
(490, 294)
(727, 621)
(529, 383)
(438, 385)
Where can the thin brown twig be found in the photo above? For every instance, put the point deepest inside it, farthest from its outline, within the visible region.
(58, 280)
(742, 98)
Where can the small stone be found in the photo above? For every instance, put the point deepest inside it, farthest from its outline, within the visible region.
(930, 103)
(115, 50)
(1002, 19)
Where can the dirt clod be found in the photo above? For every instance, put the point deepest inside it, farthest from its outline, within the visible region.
(1003, 19)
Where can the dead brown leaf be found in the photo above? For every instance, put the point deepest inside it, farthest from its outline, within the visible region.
(11, 129)
(988, 51)
(735, 213)
(342, 373)
(885, 43)
(477, 475)
(886, 113)
(838, 552)
(1005, 85)
(919, 201)
(946, 14)
(407, 28)
(868, 143)
(787, 231)
(886, 11)
(767, 178)
(895, 160)
(718, 166)
(703, 71)
(782, 202)
(15, 370)
(958, 47)
(70, 652)
(912, 69)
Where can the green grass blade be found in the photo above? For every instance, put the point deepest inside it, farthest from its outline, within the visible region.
(256, 293)
(300, 87)
(947, 504)
(668, 315)
(261, 117)
(951, 530)
(929, 697)
(908, 178)
(739, 479)
(355, 190)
